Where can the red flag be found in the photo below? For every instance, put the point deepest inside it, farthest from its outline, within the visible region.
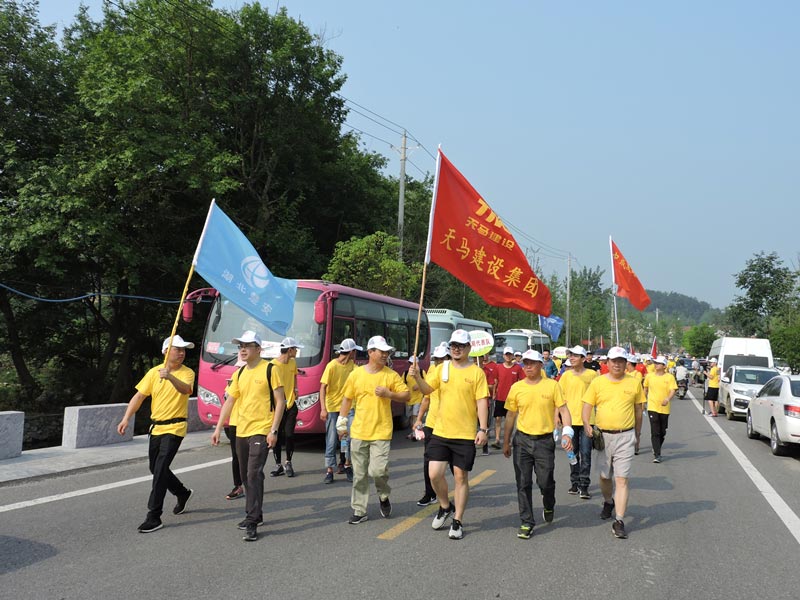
(654, 349)
(628, 285)
(467, 239)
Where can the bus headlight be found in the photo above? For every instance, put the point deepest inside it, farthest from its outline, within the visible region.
(307, 401)
(208, 397)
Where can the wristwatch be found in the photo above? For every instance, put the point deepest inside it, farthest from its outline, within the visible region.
(483, 430)
(274, 432)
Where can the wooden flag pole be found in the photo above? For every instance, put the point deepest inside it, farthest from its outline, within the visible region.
(419, 310)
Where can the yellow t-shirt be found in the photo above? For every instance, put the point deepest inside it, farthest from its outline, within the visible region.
(573, 386)
(288, 374)
(251, 392)
(457, 415)
(651, 368)
(635, 374)
(373, 420)
(433, 406)
(167, 402)
(614, 401)
(334, 377)
(234, 418)
(658, 388)
(713, 377)
(535, 403)
(416, 393)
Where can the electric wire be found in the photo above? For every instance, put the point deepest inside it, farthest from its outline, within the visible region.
(85, 296)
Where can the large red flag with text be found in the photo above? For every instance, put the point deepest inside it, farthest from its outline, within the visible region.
(628, 285)
(467, 239)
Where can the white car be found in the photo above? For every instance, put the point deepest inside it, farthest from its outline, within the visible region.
(738, 386)
(775, 413)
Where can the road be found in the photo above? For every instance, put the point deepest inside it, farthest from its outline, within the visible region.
(699, 527)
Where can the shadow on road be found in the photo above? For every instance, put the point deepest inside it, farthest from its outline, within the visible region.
(17, 553)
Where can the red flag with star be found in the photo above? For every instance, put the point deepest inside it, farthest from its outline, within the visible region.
(628, 284)
(467, 239)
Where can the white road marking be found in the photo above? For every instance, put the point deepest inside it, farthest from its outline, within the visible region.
(103, 488)
(784, 512)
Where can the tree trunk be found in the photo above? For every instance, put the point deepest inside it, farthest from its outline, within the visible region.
(29, 386)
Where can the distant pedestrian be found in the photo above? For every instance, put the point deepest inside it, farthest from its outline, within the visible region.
(508, 373)
(659, 387)
(550, 369)
(169, 385)
(712, 394)
(286, 365)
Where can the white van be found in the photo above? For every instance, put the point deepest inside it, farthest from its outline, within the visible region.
(752, 352)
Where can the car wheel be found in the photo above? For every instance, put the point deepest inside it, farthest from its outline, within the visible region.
(775, 441)
(728, 411)
(751, 433)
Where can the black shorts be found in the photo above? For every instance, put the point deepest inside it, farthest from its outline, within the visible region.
(459, 453)
(712, 394)
(499, 408)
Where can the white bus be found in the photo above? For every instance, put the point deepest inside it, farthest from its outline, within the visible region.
(521, 340)
(443, 321)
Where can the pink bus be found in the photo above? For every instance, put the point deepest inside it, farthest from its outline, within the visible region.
(324, 314)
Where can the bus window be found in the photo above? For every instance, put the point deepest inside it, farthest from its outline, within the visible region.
(364, 330)
(367, 309)
(397, 337)
(342, 328)
(343, 305)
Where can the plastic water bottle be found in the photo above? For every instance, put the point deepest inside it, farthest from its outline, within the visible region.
(557, 435)
(573, 460)
(344, 444)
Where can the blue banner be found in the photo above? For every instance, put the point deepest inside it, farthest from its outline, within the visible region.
(229, 262)
(551, 326)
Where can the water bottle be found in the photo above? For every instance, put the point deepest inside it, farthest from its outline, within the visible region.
(557, 435)
(573, 460)
(343, 444)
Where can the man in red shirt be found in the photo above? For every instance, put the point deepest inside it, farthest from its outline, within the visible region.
(490, 369)
(508, 374)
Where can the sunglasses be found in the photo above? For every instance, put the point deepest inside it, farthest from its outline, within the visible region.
(243, 346)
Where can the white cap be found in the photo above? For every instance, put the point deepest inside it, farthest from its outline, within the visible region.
(290, 342)
(633, 359)
(602, 357)
(508, 350)
(248, 337)
(577, 350)
(661, 360)
(177, 342)
(348, 345)
(440, 351)
(517, 353)
(459, 336)
(378, 342)
(713, 360)
(532, 355)
(617, 352)
(568, 363)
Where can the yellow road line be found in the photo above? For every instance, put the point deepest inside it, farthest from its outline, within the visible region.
(426, 512)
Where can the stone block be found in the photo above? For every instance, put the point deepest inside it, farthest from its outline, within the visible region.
(12, 424)
(195, 423)
(87, 426)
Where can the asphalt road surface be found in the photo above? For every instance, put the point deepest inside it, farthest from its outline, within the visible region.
(716, 519)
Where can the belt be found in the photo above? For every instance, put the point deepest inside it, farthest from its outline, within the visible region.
(153, 423)
(537, 437)
(616, 430)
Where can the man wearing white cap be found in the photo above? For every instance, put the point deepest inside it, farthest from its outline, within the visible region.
(331, 392)
(257, 390)
(659, 387)
(286, 365)
(619, 401)
(371, 389)
(508, 374)
(169, 385)
(463, 394)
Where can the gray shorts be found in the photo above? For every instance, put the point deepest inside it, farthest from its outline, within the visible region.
(616, 459)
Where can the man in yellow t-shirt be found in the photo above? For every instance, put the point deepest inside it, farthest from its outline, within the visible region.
(260, 404)
(371, 389)
(286, 365)
(659, 387)
(331, 392)
(712, 394)
(618, 400)
(573, 386)
(463, 404)
(429, 406)
(169, 385)
(532, 404)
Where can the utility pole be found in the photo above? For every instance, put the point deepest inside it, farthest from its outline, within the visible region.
(402, 200)
(569, 277)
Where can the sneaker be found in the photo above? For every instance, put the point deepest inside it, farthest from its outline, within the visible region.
(340, 469)
(348, 471)
(584, 493)
(386, 508)
(548, 515)
(573, 490)
(180, 506)
(456, 531)
(525, 532)
(288, 469)
(656, 459)
(243, 524)
(496, 445)
(251, 533)
(618, 529)
(426, 500)
(277, 471)
(608, 508)
(441, 517)
(328, 477)
(150, 525)
(236, 492)
(356, 519)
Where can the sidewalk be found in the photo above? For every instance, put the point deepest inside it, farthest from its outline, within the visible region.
(59, 460)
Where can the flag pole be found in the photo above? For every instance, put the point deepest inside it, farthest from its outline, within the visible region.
(614, 292)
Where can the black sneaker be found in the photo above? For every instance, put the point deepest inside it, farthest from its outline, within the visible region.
(386, 508)
(180, 506)
(356, 519)
(548, 515)
(525, 532)
(328, 477)
(573, 490)
(456, 531)
(251, 533)
(277, 471)
(288, 469)
(243, 524)
(426, 500)
(608, 508)
(656, 459)
(236, 492)
(441, 517)
(150, 525)
(348, 472)
(584, 493)
(618, 529)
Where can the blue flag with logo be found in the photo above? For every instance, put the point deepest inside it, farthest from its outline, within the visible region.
(551, 326)
(228, 261)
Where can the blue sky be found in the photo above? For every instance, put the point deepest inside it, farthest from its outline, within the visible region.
(672, 126)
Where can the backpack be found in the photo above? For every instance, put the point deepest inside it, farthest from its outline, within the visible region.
(269, 384)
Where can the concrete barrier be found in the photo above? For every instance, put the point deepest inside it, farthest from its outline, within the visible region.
(12, 424)
(87, 426)
(195, 423)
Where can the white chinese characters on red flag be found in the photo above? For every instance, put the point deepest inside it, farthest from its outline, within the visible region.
(469, 241)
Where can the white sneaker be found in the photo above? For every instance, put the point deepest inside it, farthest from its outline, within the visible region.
(441, 517)
(456, 531)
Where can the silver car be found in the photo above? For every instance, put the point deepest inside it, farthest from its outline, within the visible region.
(775, 413)
(738, 386)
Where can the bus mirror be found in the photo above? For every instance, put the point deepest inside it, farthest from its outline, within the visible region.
(188, 312)
(319, 311)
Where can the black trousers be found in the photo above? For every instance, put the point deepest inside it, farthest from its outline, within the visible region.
(253, 453)
(162, 451)
(230, 432)
(286, 434)
(658, 430)
(532, 455)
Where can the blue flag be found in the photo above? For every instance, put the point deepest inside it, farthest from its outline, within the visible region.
(227, 260)
(551, 326)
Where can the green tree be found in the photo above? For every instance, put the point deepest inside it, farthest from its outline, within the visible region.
(698, 340)
(769, 287)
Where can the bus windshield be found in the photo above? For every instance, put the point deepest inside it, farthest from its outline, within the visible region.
(227, 321)
(440, 332)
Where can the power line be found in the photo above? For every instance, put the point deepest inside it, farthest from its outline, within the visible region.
(369, 134)
(85, 296)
